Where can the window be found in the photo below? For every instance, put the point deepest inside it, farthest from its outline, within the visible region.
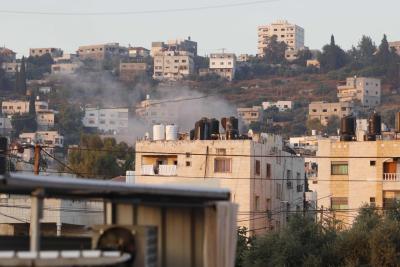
(258, 167)
(324, 110)
(221, 151)
(188, 163)
(372, 201)
(188, 155)
(372, 163)
(314, 110)
(268, 175)
(288, 174)
(278, 191)
(222, 165)
(257, 203)
(339, 168)
(339, 203)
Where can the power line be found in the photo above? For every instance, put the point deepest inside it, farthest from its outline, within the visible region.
(139, 12)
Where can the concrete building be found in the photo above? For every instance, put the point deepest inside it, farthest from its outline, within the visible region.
(107, 120)
(45, 119)
(363, 89)
(5, 126)
(322, 110)
(243, 58)
(251, 114)
(64, 68)
(38, 52)
(7, 55)
(153, 111)
(282, 105)
(173, 65)
(396, 46)
(130, 71)
(177, 45)
(313, 63)
(66, 58)
(141, 52)
(60, 217)
(223, 64)
(361, 172)
(277, 187)
(49, 138)
(11, 107)
(101, 51)
(10, 67)
(291, 34)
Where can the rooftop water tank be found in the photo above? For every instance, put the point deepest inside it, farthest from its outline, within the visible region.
(171, 132)
(158, 132)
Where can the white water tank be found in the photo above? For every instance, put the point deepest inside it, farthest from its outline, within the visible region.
(158, 132)
(171, 132)
(313, 132)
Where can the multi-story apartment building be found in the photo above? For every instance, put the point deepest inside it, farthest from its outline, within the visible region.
(173, 65)
(251, 114)
(352, 174)
(322, 110)
(282, 105)
(49, 138)
(141, 52)
(266, 188)
(45, 119)
(396, 46)
(223, 64)
(11, 107)
(64, 68)
(38, 52)
(101, 51)
(130, 71)
(7, 55)
(291, 34)
(10, 67)
(174, 45)
(153, 111)
(363, 89)
(107, 120)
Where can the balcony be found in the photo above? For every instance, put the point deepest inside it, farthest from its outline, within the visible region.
(162, 170)
(391, 176)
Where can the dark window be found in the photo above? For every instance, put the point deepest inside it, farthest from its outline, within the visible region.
(188, 164)
(372, 163)
(258, 167)
(223, 165)
(339, 168)
(268, 171)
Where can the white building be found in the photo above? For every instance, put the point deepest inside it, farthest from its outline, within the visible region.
(363, 89)
(281, 105)
(223, 64)
(45, 119)
(10, 67)
(271, 186)
(48, 138)
(11, 107)
(107, 120)
(153, 111)
(291, 34)
(173, 65)
(64, 68)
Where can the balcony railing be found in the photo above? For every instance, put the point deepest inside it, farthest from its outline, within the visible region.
(164, 170)
(391, 176)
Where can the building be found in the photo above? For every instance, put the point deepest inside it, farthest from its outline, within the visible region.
(363, 89)
(11, 107)
(7, 55)
(243, 58)
(291, 34)
(173, 65)
(249, 115)
(10, 67)
(45, 119)
(281, 105)
(107, 120)
(49, 138)
(130, 71)
(223, 64)
(66, 58)
(322, 110)
(268, 185)
(64, 68)
(101, 52)
(138, 52)
(153, 111)
(177, 45)
(352, 174)
(313, 63)
(38, 52)
(396, 46)
(5, 126)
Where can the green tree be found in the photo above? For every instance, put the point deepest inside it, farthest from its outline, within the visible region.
(333, 125)
(332, 56)
(383, 56)
(23, 123)
(275, 51)
(22, 78)
(69, 122)
(314, 124)
(243, 246)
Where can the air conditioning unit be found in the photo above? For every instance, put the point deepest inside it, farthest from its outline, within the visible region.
(138, 241)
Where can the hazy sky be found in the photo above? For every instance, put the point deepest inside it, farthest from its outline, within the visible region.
(233, 28)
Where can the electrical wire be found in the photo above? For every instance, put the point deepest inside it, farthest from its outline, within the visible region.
(138, 12)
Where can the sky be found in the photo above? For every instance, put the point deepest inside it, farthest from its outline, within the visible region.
(232, 28)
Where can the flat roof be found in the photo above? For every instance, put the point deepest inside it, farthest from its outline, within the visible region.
(67, 187)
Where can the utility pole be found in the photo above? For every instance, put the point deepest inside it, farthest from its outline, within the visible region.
(36, 165)
(3, 155)
(322, 215)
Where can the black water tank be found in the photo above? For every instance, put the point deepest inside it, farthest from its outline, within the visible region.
(235, 123)
(192, 134)
(347, 128)
(374, 124)
(214, 126)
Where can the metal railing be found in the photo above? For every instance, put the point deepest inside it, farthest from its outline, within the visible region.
(391, 176)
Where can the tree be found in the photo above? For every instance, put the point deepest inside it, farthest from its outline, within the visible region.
(367, 49)
(69, 122)
(275, 51)
(23, 123)
(302, 57)
(243, 246)
(32, 104)
(383, 55)
(22, 78)
(333, 125)
(332, 56)
(314, 124)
